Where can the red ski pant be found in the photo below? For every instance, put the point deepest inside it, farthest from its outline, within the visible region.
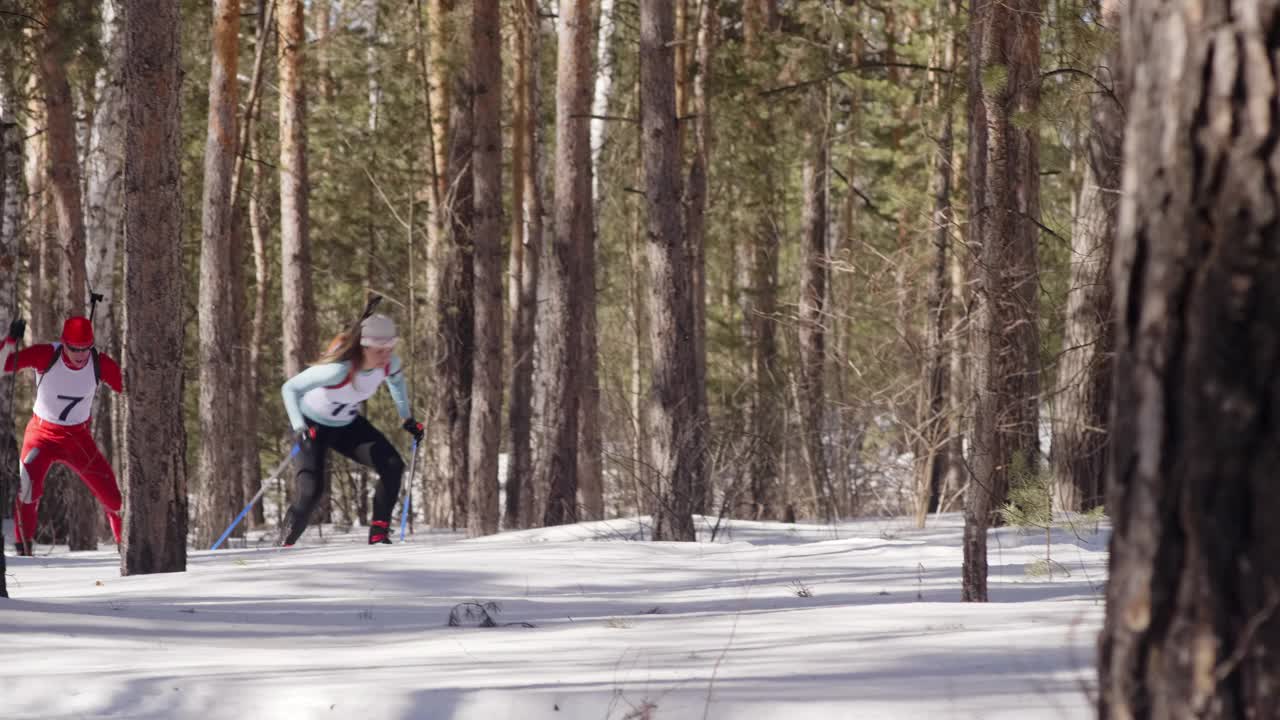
(45, 443)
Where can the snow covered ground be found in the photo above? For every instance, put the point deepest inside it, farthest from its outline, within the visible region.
(858, 621)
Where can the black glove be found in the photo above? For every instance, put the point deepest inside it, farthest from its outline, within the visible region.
(17, 329)
(305, 436)
(414, 428)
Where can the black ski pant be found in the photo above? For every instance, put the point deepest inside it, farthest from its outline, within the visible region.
(360, 441)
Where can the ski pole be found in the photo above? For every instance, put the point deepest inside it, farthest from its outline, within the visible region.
(265, 484)
(408, 494)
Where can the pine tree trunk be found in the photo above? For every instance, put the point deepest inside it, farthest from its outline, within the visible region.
(8, 296)
(696, 228)
(758, 264)
(38, 234)
(1005, 189)
(938, 460)
(455, 307)
(813, 312)
(297, 299)
(486, 391)
(440, 32)
(104, 212)
(1083, 401)
(590, 442)
(560, 319)
(219, 470)
(1190, 627)
(155, 523)
(525, 253)
(64, 160)
(79, 509)
(677, 441)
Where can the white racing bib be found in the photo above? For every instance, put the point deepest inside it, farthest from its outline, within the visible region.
(339, 404)
(65, 396)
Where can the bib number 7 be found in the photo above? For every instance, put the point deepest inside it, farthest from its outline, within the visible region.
(350, 408)
(72, 401)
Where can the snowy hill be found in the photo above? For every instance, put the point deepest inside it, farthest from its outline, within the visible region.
(859, 621)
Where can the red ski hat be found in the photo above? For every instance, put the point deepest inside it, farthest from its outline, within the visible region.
(77, 331)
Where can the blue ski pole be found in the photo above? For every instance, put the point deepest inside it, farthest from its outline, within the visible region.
(408, 495)
(265, 484)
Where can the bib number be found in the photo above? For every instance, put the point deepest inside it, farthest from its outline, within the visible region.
(347, 409)
(72, 401)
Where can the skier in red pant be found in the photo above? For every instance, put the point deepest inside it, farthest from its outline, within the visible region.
(67, 376)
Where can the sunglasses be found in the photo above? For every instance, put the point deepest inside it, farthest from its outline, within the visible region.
(74, 349)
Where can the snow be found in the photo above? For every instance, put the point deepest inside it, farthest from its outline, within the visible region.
(860, 620)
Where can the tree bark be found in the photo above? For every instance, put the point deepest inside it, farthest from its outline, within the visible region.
(155, 522)
(219, 470)
(39, 235)
(298, 302)
(677, 441)
(64, 160)
(1190, 627)
(440, 30)
(1005, 189)
(590, 440)
(560, 319)
(79, 510)
(696, 226)
(259, 230)
(525, 257)
(455, 308)
(758, 264)
(938, 460)
(486, 391)
(1083, 402)
(813, 311)
(104, 212)
(9, 139)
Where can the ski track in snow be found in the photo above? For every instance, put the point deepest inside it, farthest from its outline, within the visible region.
(333, 628)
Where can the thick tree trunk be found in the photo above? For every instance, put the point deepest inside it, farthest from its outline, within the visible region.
(298, 303)
(1005, 201)
(560, 319)
(1190, 629)
(155, 523)
(455, 308)
(525, 254)
(813, 303)
(677, 441)
(486, 159)
(219, 469)
(1083, 401)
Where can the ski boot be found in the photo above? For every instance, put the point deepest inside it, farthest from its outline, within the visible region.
(23, 549)
(379, 533)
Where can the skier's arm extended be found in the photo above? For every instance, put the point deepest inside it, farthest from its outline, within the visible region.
(395, 383)
(313, 377)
